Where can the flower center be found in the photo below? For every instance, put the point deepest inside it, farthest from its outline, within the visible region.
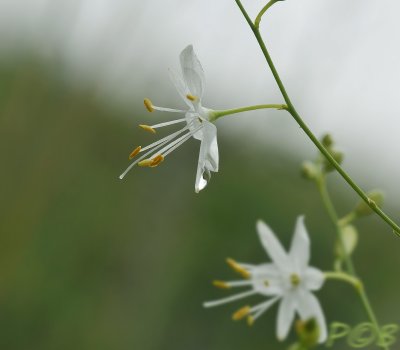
(295, 279)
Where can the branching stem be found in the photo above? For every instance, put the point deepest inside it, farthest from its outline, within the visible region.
(291, 109)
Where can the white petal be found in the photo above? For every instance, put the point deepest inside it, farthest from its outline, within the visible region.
(267, 280)
(180, 86)
(286, 314)
(192, 71)
(308, 307)
(272, 246)
(208, 156)
(313, 278)
(300, 247)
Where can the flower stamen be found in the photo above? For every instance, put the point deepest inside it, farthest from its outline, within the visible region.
(145, 163)
(221, 284)
(237, 268)
(250, 320)
(157, 160)
(135, 152)
(148, 105)
(241, 313)
(191, 97)
(147, 128)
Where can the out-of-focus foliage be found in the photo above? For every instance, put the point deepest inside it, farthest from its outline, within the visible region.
(90, 262)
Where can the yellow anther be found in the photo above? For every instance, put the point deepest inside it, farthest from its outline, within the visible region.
(250, 320)
(191, 97)
(148, 105)
(135, 152)
(237, 268)
(241, 313)
(221, 284)
(145, 162)
(266, 283)
(157, 160)
(147, 128)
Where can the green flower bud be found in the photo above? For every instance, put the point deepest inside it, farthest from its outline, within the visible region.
(308, 332)
(309, 170)
(327, 140)
(375, 199)
(350, 240)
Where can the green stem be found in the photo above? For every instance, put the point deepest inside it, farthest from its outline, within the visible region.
(291, 109)
(219, 114)
(340, 276)
(321, 183)
(263, 10)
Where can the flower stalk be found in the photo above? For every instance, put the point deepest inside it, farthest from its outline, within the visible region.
(215, 114)
(291, 109)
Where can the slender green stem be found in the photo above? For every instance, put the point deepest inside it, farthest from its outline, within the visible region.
(222, 113)
(321, 183)
(340, 276)
(291, 109)
(263, 10)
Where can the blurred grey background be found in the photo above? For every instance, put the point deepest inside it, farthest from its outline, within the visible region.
(87, 261)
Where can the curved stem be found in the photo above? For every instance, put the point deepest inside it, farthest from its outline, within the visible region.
(340, 276)
(263, 10)
(291, 109)
(218, 114)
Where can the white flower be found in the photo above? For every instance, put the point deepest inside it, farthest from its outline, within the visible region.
(197, 120)
(289, 278)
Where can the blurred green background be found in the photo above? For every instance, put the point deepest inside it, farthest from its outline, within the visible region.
(91, 262)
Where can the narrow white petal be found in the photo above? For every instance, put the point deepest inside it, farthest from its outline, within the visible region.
(229, 299)
(180, 86)
(300, 247)
(308, 307)
(313, 278)
(286, 314)
(272, 246)
(208, 155)
(192, 72)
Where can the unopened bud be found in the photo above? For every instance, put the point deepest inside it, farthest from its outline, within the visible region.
(308, 332)
(327, 140)
(309, 170)
(349, 240)
(375, 199)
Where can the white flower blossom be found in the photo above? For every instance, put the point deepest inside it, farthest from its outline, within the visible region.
(288, 279)
(197, 119)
